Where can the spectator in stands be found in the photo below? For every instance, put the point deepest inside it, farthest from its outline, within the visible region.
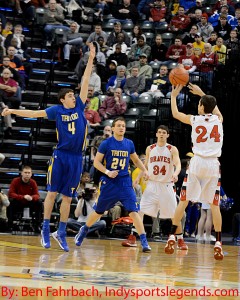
(200, 4)
(190, 37)
(120, 41)
(189, 61)
(217, 6)
(137, 49)
(135, 33)
(110, 70)
(175, 50)
(8, 126)
(198, 45)
(17, 64)
(23, 192)
(92, 116)
(125, 11)
(234, 21)
(7, 29)
(134, 85)
(158, 13)
(223, 28)
(233, 50)
(228, 4)
(158, 50)
(21, 40)
(204, 27)
(112, 38)
(215, 18)
(180, 22)
(113, 106)
(83, 209)
(158, 86)
(29, 8)
(94, 81)
(206, 65)
(120, 57)
(6, 64)
(144, 68)
(4, 203)
(118, 80)
(8, 90)
(213, 38)
(221, 50)
(94, 100)
(102, 45)
(196, 17)
(98, 32)
(53, 19)
(71, 38)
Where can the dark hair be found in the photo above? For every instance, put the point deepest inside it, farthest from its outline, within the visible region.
(209, 102)
(163, 127)
(62, 93)
(26, 167)
(118, 119)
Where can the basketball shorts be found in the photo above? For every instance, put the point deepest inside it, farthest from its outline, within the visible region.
(202, 181)
(159, 196)
(116, 189)
(64, 173)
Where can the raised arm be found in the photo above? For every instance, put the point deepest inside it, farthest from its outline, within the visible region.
(177, 114)
(24, 113)
(87, 74)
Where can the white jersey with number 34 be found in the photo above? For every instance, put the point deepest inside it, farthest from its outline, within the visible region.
(160, 163)
(207, 135)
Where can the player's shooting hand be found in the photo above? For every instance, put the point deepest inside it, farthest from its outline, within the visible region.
(92, 50)
(176, 90)
(195, 89)
(6, 112)
(113, 174)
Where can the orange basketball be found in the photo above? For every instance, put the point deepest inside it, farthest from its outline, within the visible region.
(179, 75)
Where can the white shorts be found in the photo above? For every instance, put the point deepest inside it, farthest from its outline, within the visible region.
(159, 196)
(202, 184)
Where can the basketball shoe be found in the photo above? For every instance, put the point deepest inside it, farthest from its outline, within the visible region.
(169, 248)
(218, 253)
(80, 236)
(61, 239)
(130, 242)
(181, 245)
(45, 239)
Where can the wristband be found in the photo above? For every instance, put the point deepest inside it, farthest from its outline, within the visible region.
(106, 172)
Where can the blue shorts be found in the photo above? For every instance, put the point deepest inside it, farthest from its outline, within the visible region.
(64, 173)
(116, 189)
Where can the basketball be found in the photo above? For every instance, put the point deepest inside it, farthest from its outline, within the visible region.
(179, 75)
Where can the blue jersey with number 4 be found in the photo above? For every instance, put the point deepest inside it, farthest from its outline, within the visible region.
(71, 126)
(117, 154)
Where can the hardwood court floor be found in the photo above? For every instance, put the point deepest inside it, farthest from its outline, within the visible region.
(100, 268)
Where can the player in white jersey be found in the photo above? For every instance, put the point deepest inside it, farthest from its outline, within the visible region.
(202, 181)
(164, 165)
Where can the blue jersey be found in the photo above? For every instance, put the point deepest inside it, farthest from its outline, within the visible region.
(117, 154)
(71, 126)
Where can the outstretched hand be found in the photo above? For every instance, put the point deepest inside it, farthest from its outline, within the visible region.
(195, 89)
(92, 50)
(176, 90)
(7, 111)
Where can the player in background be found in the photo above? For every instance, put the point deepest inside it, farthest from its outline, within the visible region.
(202, 181)
(164, 165)
(65, 167)
(112, 159)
